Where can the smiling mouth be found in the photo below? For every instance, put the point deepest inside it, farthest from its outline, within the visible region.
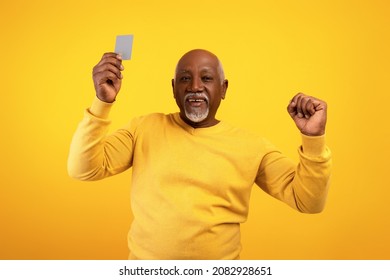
(196, 100)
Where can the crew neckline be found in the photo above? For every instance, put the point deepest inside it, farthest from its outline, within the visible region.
(220, 126)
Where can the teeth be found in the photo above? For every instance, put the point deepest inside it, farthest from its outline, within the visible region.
(195, 100)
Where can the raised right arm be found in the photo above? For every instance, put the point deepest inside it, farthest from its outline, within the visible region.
(93, 154)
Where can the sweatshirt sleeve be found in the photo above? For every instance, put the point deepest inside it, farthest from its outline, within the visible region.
(93, 154)
(303, 186)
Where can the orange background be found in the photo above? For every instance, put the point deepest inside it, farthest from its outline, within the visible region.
(336, 50)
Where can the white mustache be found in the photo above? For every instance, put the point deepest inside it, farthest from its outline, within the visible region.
(196, 95)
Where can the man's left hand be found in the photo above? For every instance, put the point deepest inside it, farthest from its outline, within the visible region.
(309, 114)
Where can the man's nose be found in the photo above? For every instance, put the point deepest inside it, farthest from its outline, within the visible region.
(196, 85)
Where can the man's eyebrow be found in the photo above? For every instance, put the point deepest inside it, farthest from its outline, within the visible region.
(182, 71)
(204, 70)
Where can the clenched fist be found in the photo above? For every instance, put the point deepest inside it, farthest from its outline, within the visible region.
(309, 114)
(107, 77)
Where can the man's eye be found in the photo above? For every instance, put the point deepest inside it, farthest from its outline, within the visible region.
(207, 78)
(185, 78)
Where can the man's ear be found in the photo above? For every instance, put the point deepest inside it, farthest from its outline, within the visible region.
(225, 85)
(173, 87)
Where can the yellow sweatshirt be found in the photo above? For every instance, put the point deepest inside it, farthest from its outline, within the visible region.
(191, 187)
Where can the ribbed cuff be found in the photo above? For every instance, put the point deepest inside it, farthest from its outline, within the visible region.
(100, 109)
(313, 145)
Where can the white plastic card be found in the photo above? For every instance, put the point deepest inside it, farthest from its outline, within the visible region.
(124, 46)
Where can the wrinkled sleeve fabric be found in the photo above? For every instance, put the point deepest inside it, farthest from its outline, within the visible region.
(304, 186)
(94, 154)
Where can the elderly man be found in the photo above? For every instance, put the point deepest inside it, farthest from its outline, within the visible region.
(192, 173)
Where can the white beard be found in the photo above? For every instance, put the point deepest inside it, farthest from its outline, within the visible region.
(196, 115)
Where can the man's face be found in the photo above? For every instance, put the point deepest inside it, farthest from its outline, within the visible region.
(198, 88)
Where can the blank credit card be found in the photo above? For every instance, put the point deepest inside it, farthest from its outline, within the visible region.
(124, 46)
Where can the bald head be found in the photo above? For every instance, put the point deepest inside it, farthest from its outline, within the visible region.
(200, 55)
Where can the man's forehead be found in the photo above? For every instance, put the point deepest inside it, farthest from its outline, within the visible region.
(199, 60)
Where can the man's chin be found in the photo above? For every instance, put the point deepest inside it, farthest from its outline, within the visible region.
(196, 117)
